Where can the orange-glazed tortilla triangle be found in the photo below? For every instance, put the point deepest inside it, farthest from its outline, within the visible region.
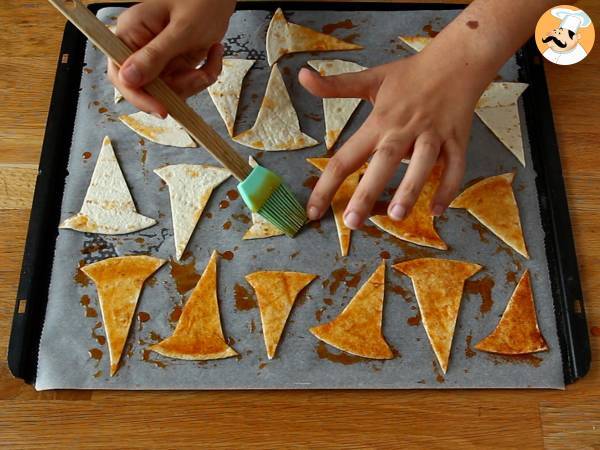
(418, 227)
(119, 282)
(357, 329)
(438, 285)
(517, 332)
(340, 201)
(198, 334)
(492, 202)
(284, 37)
(276, 293)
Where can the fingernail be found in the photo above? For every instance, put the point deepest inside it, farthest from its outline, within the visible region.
(313, 213)
(131, 74)
(437, 210)
(352, 220)
(397, 212)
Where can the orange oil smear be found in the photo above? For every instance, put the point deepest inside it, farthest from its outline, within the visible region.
(224, 204)
(319, 314)
(95, 353)
(87, 70)
(481, 230)
(351, 280)
(98, 337)
(87, 155)
(262, 365)
(311, 182)
(146, 358)
(102, 110)
(414, 321)
(430, 31)
(175, 313)
(351, 38)
(233, 194)
(81, 278)
(242, 218)
(227, 225)
(530, 359)
(469, 353)
(89, 311)
(483, 287)
(385, 255)
(331, 27)
(371, 230)
(184, 274)
(341, 358)
(328, 301)
(243, 299)
(511, 277)
(228, 255)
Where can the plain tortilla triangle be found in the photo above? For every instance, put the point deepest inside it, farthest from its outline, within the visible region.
(108, 207)
(225, 92)
(438, 285)
(418, 226)
(277, 127)
(340, 201)
(284, 37)
(261, 228)
(276, 293)
(417, 43)
(119, 282)
(337, 110)
(517, 332)
(190, 187)
(492, 202)
(165, 131)
(498, 108)
(357, 329)
(198, 334)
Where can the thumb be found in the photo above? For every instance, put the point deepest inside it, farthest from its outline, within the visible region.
(148, 62)
(348, 85)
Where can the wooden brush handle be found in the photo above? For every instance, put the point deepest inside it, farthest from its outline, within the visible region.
(117, 51)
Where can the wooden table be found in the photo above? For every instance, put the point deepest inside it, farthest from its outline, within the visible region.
(29, 43)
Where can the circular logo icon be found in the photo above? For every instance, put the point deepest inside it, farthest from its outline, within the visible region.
(564, 35)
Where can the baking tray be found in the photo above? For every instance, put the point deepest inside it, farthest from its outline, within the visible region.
(32, 296)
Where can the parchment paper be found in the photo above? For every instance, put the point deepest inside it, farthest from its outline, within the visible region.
(301, 362)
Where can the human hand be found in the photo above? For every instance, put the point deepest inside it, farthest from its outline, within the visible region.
(170, 38)
(420, 111)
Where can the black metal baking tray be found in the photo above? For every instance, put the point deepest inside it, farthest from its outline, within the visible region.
(32, 294)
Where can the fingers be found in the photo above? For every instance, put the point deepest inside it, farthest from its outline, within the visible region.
(424, 157)
(137, 97)
(347, 160)
(150, 60)
(189, 82)
(388, 155)
(349, 85)
(454, 170)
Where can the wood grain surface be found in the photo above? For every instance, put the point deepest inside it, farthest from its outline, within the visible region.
(29, 44)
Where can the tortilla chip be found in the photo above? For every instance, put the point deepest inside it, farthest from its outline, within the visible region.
(417, 43)
(117, 96)
(337, 110)
(284, 37)
(357, 329)
(492, 202)
(225, 92)
(190, 187)
(276, 293)
(119, 282)
(498, 108)
(198, 334)
(438, 285)
(165, 131)
(276, 127)
(418, 227)
(107, 207)
(518, 332)
(340, 201)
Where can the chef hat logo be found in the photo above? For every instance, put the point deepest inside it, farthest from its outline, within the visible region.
(564, 35)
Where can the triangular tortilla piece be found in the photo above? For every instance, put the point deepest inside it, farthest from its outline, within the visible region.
(261, 228)
(418, 227)
(417, 43)
(190, 187)
(337, 110)
(276, 293)
(518, 332)
(119, 282)
(357, 329)
(498, 108)
(107, 207)
(117, 96)
(438, 285)
(284, 37)
(276, 127)
(492, 202)
(225, 92)
(340, 201)
(198, 334)
(165, 131)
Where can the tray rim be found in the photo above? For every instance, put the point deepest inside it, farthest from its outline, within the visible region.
(45, 212)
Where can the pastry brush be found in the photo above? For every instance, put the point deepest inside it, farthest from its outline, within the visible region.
(263, 191)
